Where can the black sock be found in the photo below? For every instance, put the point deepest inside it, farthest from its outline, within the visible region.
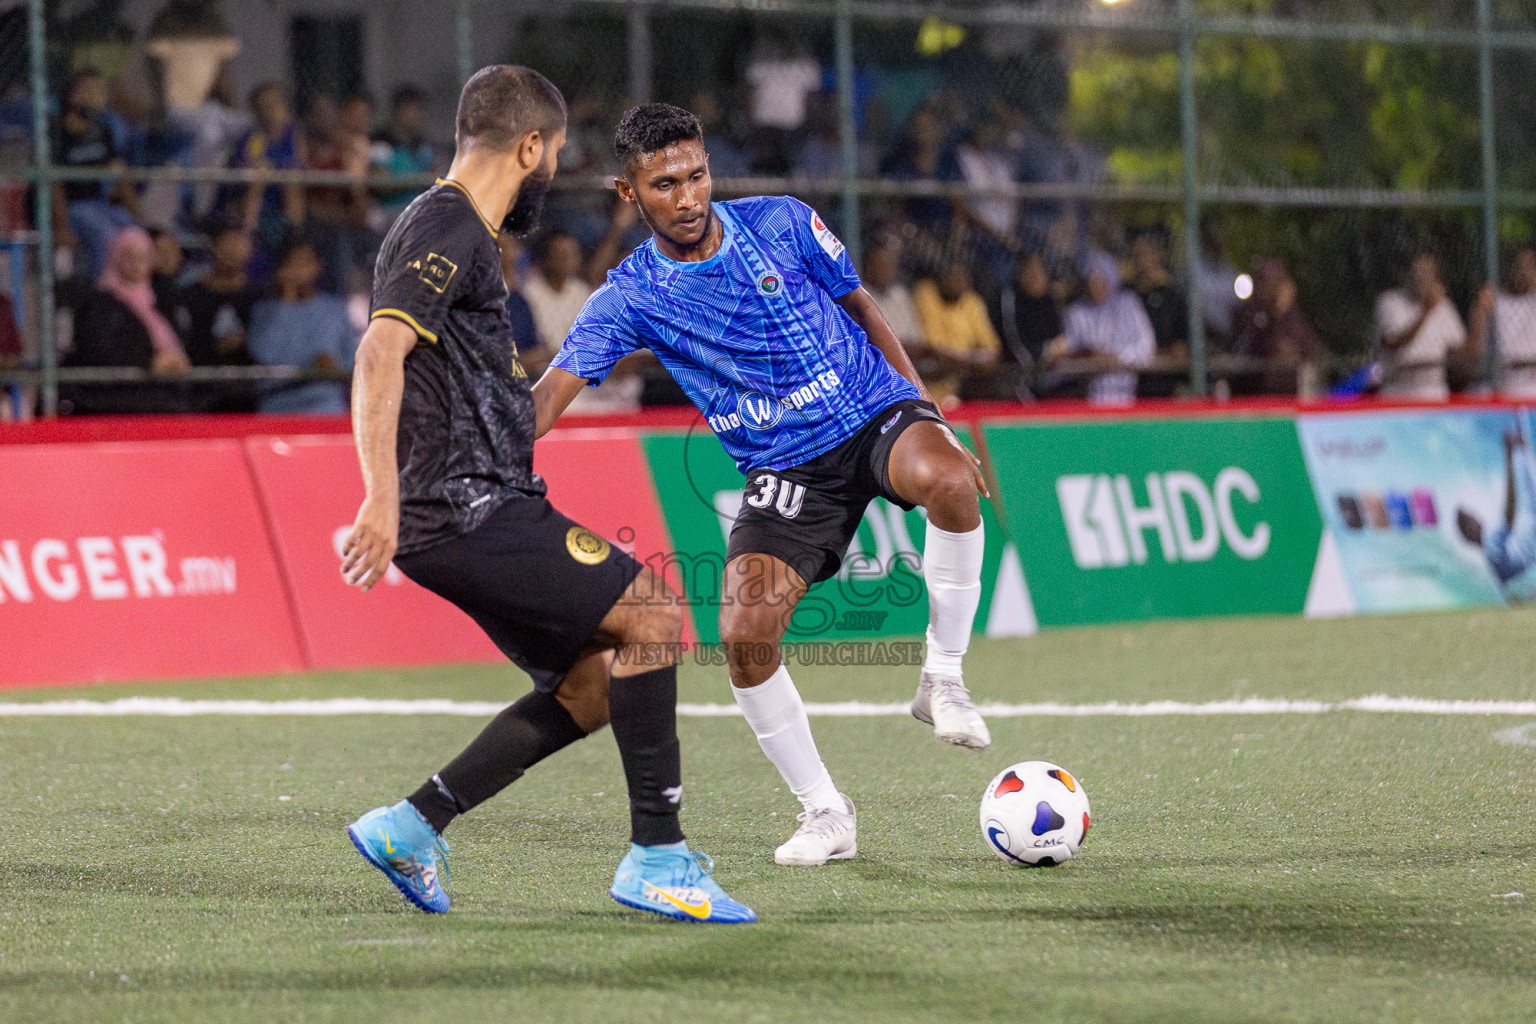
(524, 734)
(643, 712)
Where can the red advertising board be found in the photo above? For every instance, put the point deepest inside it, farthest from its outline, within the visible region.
(311, 488)
(136, 561)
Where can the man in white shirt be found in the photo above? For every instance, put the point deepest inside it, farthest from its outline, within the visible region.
(556, 290)
(1512, 311)
(1418, 328)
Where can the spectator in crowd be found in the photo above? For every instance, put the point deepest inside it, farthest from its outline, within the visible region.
(958, 334)
(1511, 312)
(1270, 327)
(882, 279)
(1215, 284)
(1110, 328)
(726, 158)
(1167, 309)
(1418, 329)
(401, 146)
(985, 161)
(1031, 313)
(556, 290)
(821, 155)
(339, 216)
(923, 154)
(534, 355)
(782, 74)
(89, 214)
(214, 312)
(166, 269)
(213, 131)
(273, 144)
(303, 326)
(120, 325)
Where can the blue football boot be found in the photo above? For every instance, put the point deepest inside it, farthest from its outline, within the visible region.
(399, 842)
(675, 882)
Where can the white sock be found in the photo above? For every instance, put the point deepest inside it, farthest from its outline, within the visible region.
(776, 714)
(952, 571)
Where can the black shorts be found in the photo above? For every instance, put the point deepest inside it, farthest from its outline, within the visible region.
(536, 582)
(806, 515)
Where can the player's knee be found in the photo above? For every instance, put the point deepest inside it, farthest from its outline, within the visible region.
(744, 625)
(656, 610)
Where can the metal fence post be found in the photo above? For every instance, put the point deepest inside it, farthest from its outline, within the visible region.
(463, 29)
(1491, 361)
(1189, 135)
(44, 213)
(640, 53)
(847, 130)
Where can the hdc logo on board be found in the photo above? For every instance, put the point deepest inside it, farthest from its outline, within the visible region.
(1107, 522)
(107, 569)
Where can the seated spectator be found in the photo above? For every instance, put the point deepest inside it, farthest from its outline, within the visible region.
(533, 355)
(924, 154)
(166, 269)
(959, 336)
(1511, 311)
(1215, 284)
(402, 147)
(303, 327)
(1165, 303)
(821, 155)
(985, 161)
(119, 325)
(1108, 326)
(882, 279)
(213, 316)
(556, 290)
(1270, 327)
(1031, 314)
(89, 214)
(273, 144)
(1418, 329)
(727, 159)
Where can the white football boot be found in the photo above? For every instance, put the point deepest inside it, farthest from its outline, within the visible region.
(944, 703)
(823, 835)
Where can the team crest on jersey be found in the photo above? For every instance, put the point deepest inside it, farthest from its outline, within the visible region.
(829, 241)
(585, 546)
(759, 411)
(770, 282)
(435, 271)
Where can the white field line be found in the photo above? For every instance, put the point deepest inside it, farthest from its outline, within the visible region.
(176, 707)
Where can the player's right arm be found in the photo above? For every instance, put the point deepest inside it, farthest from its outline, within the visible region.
(602, 335)
(378, 384)
(552, 395)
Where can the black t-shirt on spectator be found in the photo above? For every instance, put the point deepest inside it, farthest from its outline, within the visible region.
(205, 317)
(1169, 313)
(1037, 321)
(91, 147)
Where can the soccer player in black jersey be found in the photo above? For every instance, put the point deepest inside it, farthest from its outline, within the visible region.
(443, 418)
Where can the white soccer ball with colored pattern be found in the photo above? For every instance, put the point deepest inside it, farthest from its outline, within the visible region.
(1034, 814)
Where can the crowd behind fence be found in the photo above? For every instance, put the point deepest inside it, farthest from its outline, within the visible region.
(216, 256)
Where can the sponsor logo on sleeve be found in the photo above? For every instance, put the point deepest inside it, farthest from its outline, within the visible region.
(434, 271)
(829, 241)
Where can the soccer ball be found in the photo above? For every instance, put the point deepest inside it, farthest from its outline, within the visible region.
(1034, 813)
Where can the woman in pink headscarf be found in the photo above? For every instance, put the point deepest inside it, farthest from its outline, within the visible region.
(119, 325)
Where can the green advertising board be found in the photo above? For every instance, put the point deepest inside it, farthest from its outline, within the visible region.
(1139, 519)
(880, 590)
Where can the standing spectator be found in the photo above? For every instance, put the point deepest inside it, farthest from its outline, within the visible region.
(924, 154)
(882, 279)
(556, 290)
(959, 335)
(1110, 327)
(1418, 329)
(119, 325)
(90, 214)
(821, 155)
(1031, 314)
(304, 327)
(402, 147)
(530, 352)
(214, 129)
(1165, 303)
(986, 162)
(1270, 327)
(726, 158)
(340, 216)
(1512, 311)
(782, 73)
(273, 144)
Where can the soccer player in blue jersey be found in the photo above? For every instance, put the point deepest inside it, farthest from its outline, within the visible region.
(755, 308)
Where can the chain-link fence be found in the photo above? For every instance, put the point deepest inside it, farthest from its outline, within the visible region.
(1258, 172)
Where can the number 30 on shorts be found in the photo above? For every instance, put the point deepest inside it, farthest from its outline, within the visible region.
(762, 490)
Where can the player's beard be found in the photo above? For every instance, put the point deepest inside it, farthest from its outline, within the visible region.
(523, 218)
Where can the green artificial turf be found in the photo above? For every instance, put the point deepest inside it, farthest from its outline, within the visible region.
(1338, 867)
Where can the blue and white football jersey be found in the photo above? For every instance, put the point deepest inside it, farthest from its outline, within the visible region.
(753, 334)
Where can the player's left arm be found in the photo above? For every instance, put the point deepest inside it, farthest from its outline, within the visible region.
(552, 395)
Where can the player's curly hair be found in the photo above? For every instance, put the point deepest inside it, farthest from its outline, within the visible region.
(652, 127)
